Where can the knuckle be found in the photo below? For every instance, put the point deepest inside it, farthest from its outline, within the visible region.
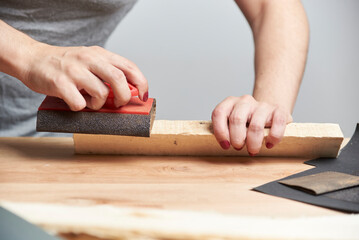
(57, 82)
(96, 105)
(84, 56)
(102, 93)
(138, 77)
(230, 98)
(129, 65)
(217, 112)
(237, 120)
(75, 106)
(117, 75)
(123, 99)
(113, 58)
(246, 98)
(280, 120)
(72, 70)
(255, 127)
(95, 48)
(81, 49)
(142, 83)
(263, 105)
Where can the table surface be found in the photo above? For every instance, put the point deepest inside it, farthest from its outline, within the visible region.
(47, 170)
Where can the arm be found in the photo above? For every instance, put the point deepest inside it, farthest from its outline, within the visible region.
(64, 71)
(281, 35)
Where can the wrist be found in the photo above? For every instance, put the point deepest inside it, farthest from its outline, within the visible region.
(281, 94)
(31, 53)
(18, 51)
(278, 101)
(24, 58)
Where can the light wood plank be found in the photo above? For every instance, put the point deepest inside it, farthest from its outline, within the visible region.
(196, 138)
(109, 222)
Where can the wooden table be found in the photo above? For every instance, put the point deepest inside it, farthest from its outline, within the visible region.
(47, 170)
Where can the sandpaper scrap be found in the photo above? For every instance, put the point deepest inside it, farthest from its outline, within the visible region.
(323, 182)
(346, 200)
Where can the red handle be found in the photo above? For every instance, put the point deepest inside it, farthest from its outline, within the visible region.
(133, 89)
(110, 98)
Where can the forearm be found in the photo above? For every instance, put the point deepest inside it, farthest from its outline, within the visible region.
(281, 36)
(16, 50)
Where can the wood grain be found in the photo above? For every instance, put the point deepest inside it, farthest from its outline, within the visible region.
(195, 138)
(109, 222)
(47, 170)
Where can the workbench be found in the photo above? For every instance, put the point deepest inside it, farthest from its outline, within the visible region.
(47, 170)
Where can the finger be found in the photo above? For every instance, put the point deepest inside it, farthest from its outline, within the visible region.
(220, 122)
(279, 121)
(135, 77)
(96, 89)
(73, 98)
(255, 132)
(116, 78)
(131, 71)
(237, 125)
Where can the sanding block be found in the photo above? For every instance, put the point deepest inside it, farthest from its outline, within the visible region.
(133, 119)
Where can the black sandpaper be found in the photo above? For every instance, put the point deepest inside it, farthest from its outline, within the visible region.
(346, 200)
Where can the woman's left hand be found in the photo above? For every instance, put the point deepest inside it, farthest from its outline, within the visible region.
(240, 121)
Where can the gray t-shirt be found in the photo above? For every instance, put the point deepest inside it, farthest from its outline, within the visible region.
(56, 22)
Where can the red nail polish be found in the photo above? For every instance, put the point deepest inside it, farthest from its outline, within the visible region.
(225, 144)
(145, 97)
(238, 149)
(251, 154)
(269, 145)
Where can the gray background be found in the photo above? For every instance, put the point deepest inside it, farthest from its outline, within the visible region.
(195, 53)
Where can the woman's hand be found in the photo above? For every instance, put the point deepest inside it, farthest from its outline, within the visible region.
(64, 71)
(240, 121)
(281, 35)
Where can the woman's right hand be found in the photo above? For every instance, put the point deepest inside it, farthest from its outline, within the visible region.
(64, 71)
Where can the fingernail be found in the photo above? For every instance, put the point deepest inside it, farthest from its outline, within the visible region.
(238, 149)
(269, 145)
(225, 144)
(251, 154)
(145, 97)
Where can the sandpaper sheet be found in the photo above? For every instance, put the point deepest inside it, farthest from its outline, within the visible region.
(323, 182)
(346, 200)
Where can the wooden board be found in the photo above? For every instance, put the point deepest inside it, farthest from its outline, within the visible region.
(47, 170)
(196, 138)
(109, 222)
